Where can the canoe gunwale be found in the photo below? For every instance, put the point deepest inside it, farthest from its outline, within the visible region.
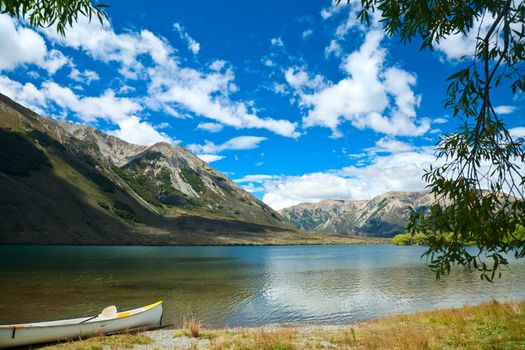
(84, 320)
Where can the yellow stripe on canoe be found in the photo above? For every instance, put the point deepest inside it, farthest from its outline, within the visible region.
(153, 305)
(128, 313)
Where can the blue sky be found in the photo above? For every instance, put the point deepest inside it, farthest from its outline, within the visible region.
(296, 101)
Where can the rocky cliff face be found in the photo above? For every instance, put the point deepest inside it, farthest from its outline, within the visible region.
(70, 183)
(163, 175)
(383, 216)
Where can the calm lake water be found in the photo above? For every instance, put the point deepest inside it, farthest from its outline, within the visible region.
(236, 285)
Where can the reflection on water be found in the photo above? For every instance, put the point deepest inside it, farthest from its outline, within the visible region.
(236, 285)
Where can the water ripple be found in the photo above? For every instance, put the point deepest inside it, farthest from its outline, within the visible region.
(237, 285)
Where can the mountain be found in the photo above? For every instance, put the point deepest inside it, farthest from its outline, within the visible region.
(64, 183)
(382, 216)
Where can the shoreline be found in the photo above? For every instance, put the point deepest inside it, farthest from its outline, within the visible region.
(491, 324)
(373, 241)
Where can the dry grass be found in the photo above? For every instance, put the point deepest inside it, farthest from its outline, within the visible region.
(194, 327)
(119, 341)
(487, 326)
(491, 325)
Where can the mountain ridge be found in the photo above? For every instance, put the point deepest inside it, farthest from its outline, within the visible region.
(66, 183)
(382, 216)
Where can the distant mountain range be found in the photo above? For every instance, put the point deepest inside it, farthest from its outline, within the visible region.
(382, 216)
(69, 183)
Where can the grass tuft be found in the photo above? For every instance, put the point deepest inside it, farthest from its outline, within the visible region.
(193, 327)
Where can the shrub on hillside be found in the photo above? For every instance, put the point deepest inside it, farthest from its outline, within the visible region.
(19, 156)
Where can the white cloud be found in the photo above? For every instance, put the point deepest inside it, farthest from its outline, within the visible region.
(307, 33)
(217, 65)
(211, 127)
(87, 76)
(208, 151)
(458, 45)
(277, 42)
(20, 45)
(330, 10)
(256, 178)
(389, 145)
(26, 94)
(504, 109)
(207, 95)
(89, 108)
(363, 96)
(53, 61)
(334, 48)
(313, 187)
(251, 188)
(209, 158)
(400, 170)
(236, 143)
(102, 43)
(268, 62)
(107, 106)
(398, 83)
(136, 131)
(353, 22)
(193, 45)
(517, 132)
(173, 89)
(439, 121)
(298, 79)
(279, 88)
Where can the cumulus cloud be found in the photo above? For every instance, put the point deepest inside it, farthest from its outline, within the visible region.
(90, 108)
(330, 10)
(139, 132)
(389, 145)
(117, 110)
(459, 45)
(208, 151)
(257, 178)
(209, 158)
(102, 43)
(439, 121)
(236, 143)
(504, 109)
(307, 33)
(172, 88)
(277, 42)
(218, 65)
(334, 48)
(193, 45)
(20, 45)
(86, 77)
(363, 96)
(299, 80)
(210, 127)
(207, 95)
(399, 169)
(517, 132)
(26, 94)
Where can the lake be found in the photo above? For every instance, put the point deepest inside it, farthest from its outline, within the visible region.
(230, 286)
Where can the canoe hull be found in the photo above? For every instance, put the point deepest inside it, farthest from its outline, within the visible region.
(19, 335)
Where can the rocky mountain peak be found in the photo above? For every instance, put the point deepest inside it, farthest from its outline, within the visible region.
(87, 177)
(384, 215)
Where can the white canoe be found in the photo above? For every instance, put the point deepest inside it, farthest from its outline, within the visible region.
(109, 321)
